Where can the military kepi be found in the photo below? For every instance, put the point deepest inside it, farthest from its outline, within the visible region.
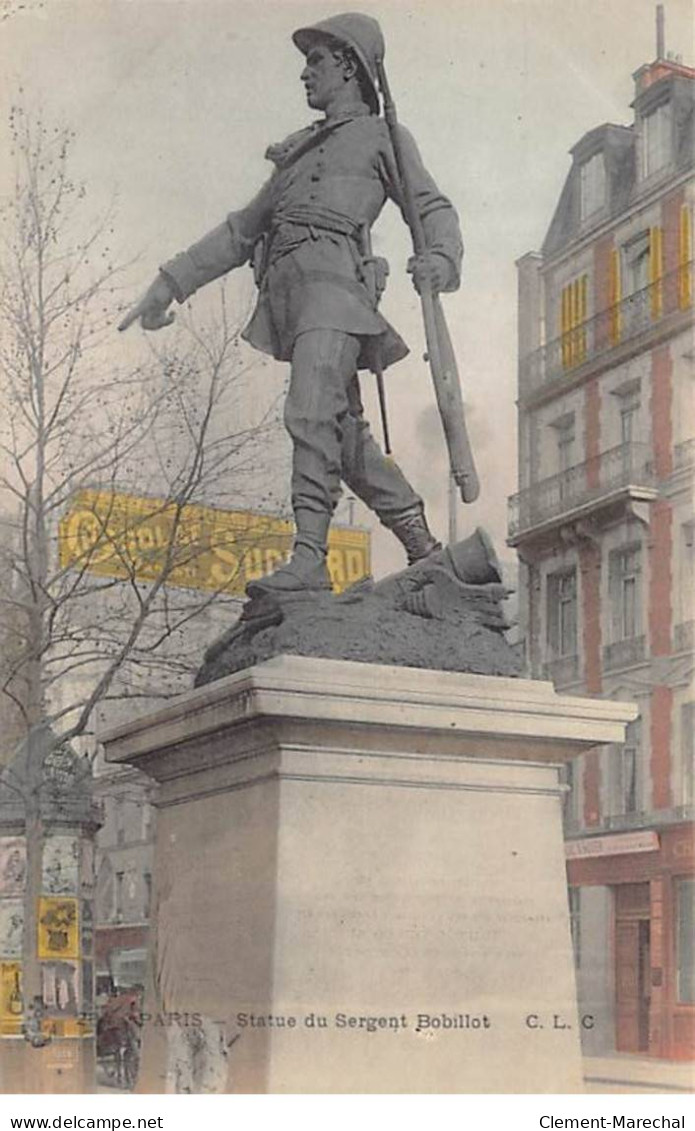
(353, 29)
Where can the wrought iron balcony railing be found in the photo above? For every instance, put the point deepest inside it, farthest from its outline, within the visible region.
(684, 454)
(562, 671)
(684, 636)
(609, 328)
(628, 464)
(624, 653)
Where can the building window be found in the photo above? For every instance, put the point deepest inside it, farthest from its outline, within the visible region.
(656, 139)
(641, 276)
(575, 906)
(562, 614)
(685, 636)
(565, 437)
(573, 308)
(688, 754)
(571, 778)
(629, 765)
(118, 908)
(146, 813)
(685, 940)
(635, 271)
(147, 877)
(565, 444)
(628, 400)
(119, 815)
(592, 186)
(625, 582)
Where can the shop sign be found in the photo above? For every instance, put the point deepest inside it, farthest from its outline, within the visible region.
(127, 536)
(619, 844)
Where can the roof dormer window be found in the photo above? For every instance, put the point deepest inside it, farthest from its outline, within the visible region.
(592, 186)
(656, 139)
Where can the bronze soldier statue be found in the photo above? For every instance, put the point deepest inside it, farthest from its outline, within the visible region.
(307, 235)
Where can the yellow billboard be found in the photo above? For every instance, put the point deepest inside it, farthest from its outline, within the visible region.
(136, 538)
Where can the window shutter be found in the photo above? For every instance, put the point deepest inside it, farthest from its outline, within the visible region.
(572, 321)
(656, 270)
(685, 295)
(565, 327)
(614, 285)
(581, 321)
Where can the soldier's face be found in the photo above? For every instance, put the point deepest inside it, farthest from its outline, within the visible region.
(323, 76)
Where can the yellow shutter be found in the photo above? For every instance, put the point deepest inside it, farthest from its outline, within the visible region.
(581, 318)
(656, 271)
(572, 322)
(565, 327)
(614, 297)
(685, 291)
(573, 304)
(574, 319)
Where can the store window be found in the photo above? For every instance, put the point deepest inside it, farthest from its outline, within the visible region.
(685, 940)
(562, 614)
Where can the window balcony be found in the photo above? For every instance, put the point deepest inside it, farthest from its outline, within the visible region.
(601, 480)
(684, 454)
(562, 671)
(658, 305)
(624, 653)
(684, 636)
(646, 818)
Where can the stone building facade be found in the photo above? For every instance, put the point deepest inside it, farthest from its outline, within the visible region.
(604, 527)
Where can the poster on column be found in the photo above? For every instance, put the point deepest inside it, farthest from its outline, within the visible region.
(270, 249)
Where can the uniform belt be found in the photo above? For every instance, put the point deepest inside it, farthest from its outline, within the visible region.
(326, 221)
(292, 228)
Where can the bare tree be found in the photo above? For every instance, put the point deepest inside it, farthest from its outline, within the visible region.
(87, 615)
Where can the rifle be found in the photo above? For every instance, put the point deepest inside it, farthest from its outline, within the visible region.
(440, 352)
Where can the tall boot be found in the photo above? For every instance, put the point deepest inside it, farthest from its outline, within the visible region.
(412, 531)
(306, 570)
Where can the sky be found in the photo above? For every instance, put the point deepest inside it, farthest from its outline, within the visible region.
(174, 102)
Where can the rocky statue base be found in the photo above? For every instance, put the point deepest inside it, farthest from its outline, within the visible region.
(360, 881)
(442, 613)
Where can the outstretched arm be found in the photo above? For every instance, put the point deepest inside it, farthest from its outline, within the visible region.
(228, 245)
(153, 308)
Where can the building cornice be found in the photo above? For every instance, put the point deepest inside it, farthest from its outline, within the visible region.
(640, 202)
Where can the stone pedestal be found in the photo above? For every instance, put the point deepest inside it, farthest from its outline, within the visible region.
(360, 881)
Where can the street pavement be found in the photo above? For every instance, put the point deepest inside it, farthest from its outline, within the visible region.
(605, 1074)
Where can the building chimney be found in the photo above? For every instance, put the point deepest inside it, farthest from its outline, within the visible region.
(660, 44)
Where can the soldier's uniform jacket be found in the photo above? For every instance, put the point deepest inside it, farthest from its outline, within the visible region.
(307, 233)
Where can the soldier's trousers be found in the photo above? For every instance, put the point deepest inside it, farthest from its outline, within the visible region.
(331, 438)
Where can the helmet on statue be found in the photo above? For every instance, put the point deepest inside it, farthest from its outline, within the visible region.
(350, 29)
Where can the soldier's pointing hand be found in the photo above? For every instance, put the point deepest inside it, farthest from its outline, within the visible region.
(152, 309)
